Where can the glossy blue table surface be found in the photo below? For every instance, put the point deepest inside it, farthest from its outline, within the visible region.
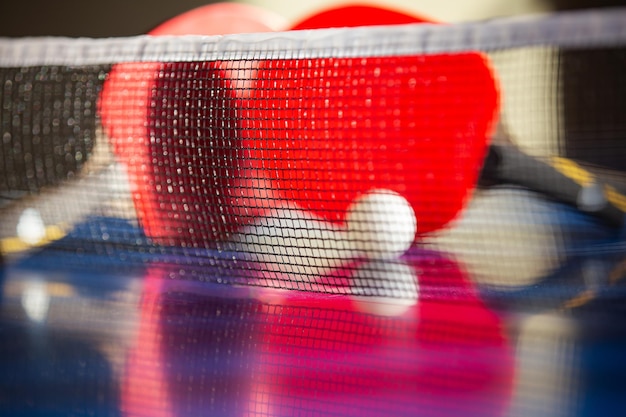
(119, 327)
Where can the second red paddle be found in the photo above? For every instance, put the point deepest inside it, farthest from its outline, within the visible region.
(174, 127)
(327, 131)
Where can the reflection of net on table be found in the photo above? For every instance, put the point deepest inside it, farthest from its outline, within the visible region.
(238, 160)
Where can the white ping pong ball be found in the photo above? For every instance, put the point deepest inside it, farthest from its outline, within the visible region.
(381, 224)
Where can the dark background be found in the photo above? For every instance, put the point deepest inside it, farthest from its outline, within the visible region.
(101, 18)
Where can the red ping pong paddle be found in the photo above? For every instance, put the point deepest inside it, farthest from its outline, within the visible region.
(326, 130)
(557, 179)
(179, 144)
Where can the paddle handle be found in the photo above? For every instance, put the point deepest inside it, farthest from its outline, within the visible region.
(560, 179)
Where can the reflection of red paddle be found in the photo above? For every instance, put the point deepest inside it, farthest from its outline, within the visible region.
(326, 130)
(444, 356)
(199, 351)
(178, 142)
(193, 350)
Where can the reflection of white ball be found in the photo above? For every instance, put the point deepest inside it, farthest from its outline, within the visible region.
(381, 224)
(385, 288)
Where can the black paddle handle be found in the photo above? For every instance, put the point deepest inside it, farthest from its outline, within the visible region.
(559, 179)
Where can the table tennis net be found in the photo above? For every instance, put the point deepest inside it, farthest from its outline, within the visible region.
(238, 158)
